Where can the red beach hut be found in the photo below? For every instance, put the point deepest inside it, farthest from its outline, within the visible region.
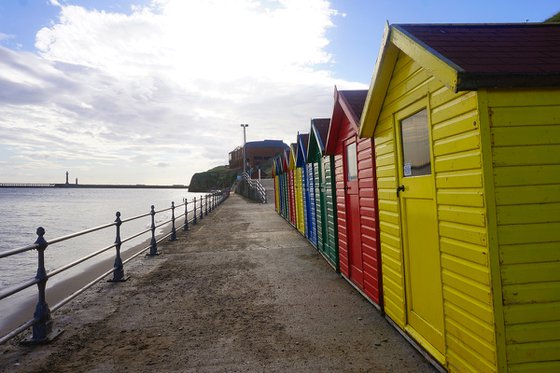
(356, 195)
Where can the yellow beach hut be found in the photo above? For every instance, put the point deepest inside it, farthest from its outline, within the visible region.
(298, 188)
(466, 125)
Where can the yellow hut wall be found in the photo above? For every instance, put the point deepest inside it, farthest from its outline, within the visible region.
(524, 132)
(277, 192)
(462, 223)
(300, 223)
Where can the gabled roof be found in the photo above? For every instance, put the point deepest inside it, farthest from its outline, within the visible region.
(490, 55)
(282, 162)
(274, 166)
(293, 156)
(317, 138)
(302, 140)
(347, 104)
(285, 157)
(469, 57)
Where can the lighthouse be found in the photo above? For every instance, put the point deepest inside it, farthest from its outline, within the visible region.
(66, 177)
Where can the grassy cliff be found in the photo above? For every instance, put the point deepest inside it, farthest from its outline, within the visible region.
(217, 178)
(554, 18)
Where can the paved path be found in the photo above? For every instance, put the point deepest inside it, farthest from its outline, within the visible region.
(242, 291)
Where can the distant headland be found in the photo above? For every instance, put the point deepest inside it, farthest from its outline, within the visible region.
(99, 186)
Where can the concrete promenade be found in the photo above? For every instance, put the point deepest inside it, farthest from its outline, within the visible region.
(241, 291)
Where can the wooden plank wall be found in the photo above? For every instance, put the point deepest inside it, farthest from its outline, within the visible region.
(467, 295)
(368, 219)
(525, 130)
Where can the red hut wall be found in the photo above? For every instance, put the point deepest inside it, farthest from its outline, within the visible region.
(366, 231)
(368, 221)
(292, 197)
(343, 254)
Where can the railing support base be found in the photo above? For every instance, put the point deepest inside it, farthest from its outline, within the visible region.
(153, 254)
(124, 279)
(30, 341)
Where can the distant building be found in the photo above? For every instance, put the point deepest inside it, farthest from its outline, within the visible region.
(257, 154)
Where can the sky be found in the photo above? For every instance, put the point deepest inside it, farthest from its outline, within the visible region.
(152, 91)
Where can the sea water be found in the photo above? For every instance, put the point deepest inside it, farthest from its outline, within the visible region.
(63, 211)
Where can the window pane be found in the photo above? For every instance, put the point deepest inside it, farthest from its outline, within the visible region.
(351, 163)
(416, 145)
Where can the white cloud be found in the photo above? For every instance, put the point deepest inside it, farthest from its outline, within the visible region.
(5, 36)
(166, 85)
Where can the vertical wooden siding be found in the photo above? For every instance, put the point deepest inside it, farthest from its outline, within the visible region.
(306, 208)
(368, 219)
(284, 189)
(469, 319)
(312, 204)
(299, 200)
(525, 131)
(277, 193)
(331, 244)
(318, 205)
(292, 197)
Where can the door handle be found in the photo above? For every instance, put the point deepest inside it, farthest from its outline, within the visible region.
(400, 189)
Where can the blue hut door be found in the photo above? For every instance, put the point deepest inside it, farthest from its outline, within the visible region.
(355, 261)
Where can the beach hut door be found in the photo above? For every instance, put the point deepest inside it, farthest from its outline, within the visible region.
(420, 235)
(353, 212)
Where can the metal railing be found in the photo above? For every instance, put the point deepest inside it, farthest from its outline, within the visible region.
(251, 188)
(42, 321)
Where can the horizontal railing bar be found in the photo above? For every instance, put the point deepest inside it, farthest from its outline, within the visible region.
(17, 251)
(80, 291)
(137, 254)
(80, 233)
(17, 331)
(78, 261)
(136, 235)
(135, 217)
(163, 210)
(204, 203)
(18, 288)
(163, 223)
(164, 237)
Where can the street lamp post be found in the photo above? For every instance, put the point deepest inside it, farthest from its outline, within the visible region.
(244, 141)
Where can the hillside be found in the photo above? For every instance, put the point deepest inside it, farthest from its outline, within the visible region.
(216, 178)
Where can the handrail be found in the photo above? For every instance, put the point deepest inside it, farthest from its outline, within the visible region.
(256, 190)
(41, 321)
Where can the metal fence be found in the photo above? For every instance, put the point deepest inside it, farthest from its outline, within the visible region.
(42, 323)
(251, 188)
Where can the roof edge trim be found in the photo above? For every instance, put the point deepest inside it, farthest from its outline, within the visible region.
(440, 66)
(379, 84)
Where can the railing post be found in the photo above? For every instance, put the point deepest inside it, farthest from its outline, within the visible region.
(206, 204)
(173, 231)
(186, 225)
(118, 270)
(42, 326)
(201, 210)
(153, 243)
(194, 211)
